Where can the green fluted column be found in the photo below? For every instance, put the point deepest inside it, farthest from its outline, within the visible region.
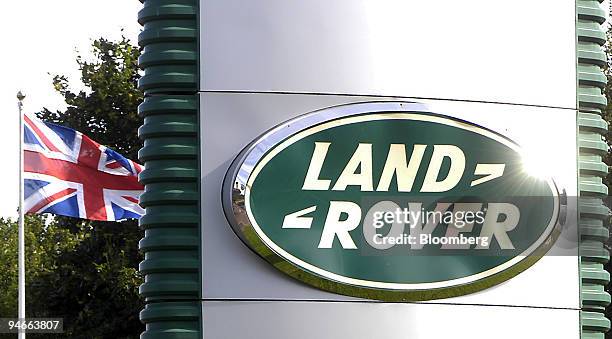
(172, 287)
(593, 214)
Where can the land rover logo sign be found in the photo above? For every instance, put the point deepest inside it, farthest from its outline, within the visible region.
(387, 201)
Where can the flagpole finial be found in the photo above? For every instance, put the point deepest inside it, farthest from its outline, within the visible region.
(20, 97)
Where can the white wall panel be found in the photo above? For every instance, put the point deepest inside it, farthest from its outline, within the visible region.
(321, 320)
(519, 51)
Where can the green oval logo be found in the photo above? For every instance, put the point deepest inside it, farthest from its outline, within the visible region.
(388, 201)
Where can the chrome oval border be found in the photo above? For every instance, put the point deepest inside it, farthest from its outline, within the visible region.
(251, 159)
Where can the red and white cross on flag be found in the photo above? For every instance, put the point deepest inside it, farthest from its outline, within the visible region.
(67, 173)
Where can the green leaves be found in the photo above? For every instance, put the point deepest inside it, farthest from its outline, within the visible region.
(44, 244)
(107, 110)
(95, 284)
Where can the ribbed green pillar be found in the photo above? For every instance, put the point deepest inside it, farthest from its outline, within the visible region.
(593, 214)
(172, 287)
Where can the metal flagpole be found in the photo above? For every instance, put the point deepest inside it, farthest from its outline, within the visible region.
(21, 260)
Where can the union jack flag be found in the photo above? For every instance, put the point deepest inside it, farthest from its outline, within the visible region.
(67, 173)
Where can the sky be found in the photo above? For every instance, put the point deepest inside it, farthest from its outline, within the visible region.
(41, 38)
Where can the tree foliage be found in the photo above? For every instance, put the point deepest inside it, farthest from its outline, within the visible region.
(86, 271)
(107, 111)
(43, 245)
